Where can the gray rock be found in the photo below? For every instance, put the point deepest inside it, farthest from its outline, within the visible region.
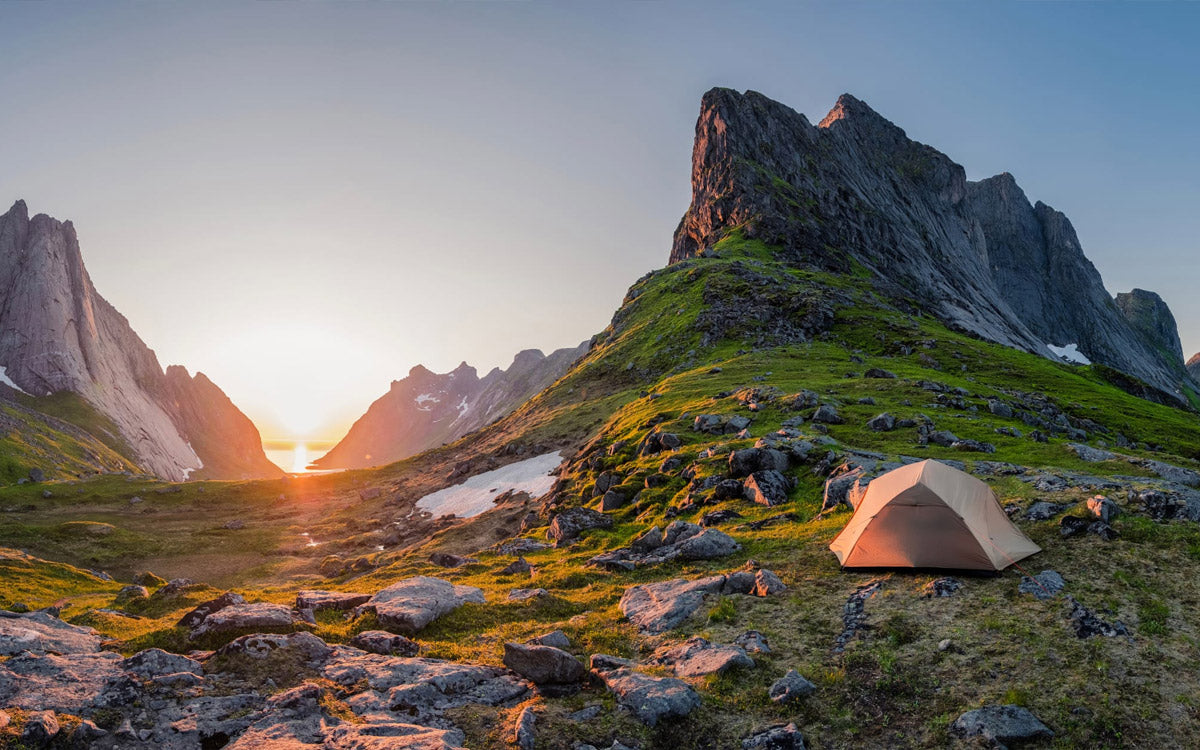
(543, 664)
(572, 522)
(1170, 472)
(193, 618)
(517, 567)
(663, 605)
(843, 489)
(879, 373)
(884, 422)
(1000, 724)
(1000, 409)
(790, 688)
(1086, 623)
(826, 414)
(677, 531)
(1090, 454)
(651, 540)
(750, 460)
(40, 632)
(768, 488)
(524, 729)
(586, 714)
(1043, 511)
(155, 661)
(696, 657)
(259, 616)
(67, 684)
(41, 727)
(785, 737)
(336, 600)
(555, 638)
(1044, 585)
(753, 642)
(522, 595)
(1103, 508)
(411, 604)
(942, 587)
(385, 643)
(448, 560)
(650, 699)
(132, 591)
(710, 544)
(767, 583)
(613, 500)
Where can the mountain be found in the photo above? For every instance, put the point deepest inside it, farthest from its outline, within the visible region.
(427, 409)
(855, 193)
(58, 334)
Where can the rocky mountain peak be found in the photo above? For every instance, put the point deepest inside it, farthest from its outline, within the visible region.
(856, 189)
(1150, 316)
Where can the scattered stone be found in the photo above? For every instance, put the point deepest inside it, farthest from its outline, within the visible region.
(750, 460)
(768, 488)
(411, 604)
(522, 595)
(612, 500)
(1072, 525)
(1087, 624)
(718, 516)
(1043, 511)
(973, 446)
(1000, 409)
(337, 600)
(1169, 472)
(944, 438)
(651, 540)
(696, 657)
(884, 422)
(944, 644)
(843, 489)
(941, 587)
(570, 523)
(240, 617)
(555, 638)
(543, 664)
(663, 605)
(41, 632)
(1000, 724)
(384, 643)
(785, 737)
(447, 560)
(1090, 454)
(41, 727)
(132, 591)
(790, 688)
(717, 424)
(880, 374)
(1045, 585)
(1103, 530)
(1103, 508)
(753, 642)
(520, 566)
(520, 547)
(650, 699)
(707, 545)
(233, 525)
(587, 713)
(826, 414)
(767, 583)
(854, 616)
(524, 729)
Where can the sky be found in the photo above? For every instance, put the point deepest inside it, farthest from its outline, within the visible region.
(304, 200)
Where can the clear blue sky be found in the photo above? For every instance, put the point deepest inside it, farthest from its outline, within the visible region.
(304, 200)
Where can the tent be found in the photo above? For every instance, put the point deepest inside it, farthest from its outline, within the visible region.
(930, 515)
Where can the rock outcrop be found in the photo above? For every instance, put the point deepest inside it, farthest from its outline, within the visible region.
(58, 334)
(855, 190)
(427, 409)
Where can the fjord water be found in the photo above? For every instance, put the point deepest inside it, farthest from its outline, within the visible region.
(295, 456)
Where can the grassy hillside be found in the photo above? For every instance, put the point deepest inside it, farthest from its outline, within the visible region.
(735, 334)
(61, 435)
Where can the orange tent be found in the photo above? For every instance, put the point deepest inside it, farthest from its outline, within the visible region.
(930, 515)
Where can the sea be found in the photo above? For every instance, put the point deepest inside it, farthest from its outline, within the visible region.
(295, 456)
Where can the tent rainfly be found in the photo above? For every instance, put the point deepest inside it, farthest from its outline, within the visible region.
(930, 515)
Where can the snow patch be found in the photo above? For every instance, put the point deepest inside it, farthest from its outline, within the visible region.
(187, 472)
(4, 378)
(463, 407)
(474, 496)
(426, 398)
(1070, 353)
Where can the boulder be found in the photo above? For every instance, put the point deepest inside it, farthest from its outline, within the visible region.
(258, 646)
(131, 592)
(604, 482)
(524, 729)
(385, 643)
(41, 727)
(1086, 623)
(555, 638)
(843, 489)
(41, 632)
(1103, 508)
(543, 664)
(707, 545)
(718, 516)
(522, 595)
(768, 488)
(749, 460)
(1090, 454)
(826, 414)
(753, 642)
(884, 422)
(790, 688)
(520, 566)
(767, 583)
(1000, 724)
(613, 500)
(652, 539)
(696, 657)
(663, 605)
(259, 616)
(941, 587)
(572, 522)
(1043, 511)
(973, 446)
(448, 560)
(1000, 409)
(650, 699)
(784, 737)
(1045, 585)
(411, 604)
(196, 616)
(879, 373)
(154, 661)
(49, 682)
(337, 600)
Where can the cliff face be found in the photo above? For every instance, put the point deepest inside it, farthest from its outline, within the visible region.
(856, 189)
(427, 409)
(1150, 316)
(58, 334)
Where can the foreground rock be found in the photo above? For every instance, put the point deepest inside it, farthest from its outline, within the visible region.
(660, 606)
(790, 688)
(787, 737)
(383, 642)
(204, 609)
(337, 600)
(696, 657)
(1000, 724)
(682, 540)
(572, 522)
(411, 604)
(41, 632)
(650, 699)
(241, 617)
(543, 664)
